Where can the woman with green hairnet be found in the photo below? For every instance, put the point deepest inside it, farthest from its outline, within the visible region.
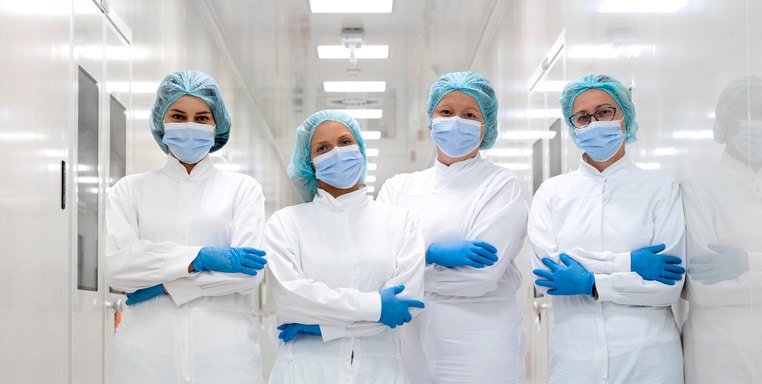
(473, 216)
(185, 243)
(607, 243)
(345, 271)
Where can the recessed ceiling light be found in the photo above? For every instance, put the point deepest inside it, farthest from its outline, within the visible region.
(362, 52)
(351, 6)
(371, 135)
(354, 86)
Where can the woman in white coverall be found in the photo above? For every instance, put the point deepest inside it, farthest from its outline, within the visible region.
(344, 270)
(607, 242)
(183, 242)
(473, 216)
(722, 337)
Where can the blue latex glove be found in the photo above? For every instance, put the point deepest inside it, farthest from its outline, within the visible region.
(477, 254)
(289, 331)
(569, 278)
(145, 294)
(240, 260)
(394, 310)
(650, 265)
(726, 264)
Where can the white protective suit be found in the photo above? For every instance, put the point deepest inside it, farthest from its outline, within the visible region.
(328, 261)
(204, 331)
(722, 336)
(629, 334)
(471, 331)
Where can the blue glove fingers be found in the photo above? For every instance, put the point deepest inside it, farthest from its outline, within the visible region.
(674, 268)
(489, 247)
(545, 283)
(653, 248)
(543, 273)
(671, 276)
(550, 264)
(483, 256)
(253, 251)
(566, 259)
(666, 281)
(413, 303)
(672, 259)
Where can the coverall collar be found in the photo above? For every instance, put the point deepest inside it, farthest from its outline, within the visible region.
(201, 171)
(619, 166)
(347, 202)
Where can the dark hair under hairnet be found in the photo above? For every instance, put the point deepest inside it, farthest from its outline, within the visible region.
(475, 86)
(300, 169)
(192, 83)
(618, 91)
(743, 92)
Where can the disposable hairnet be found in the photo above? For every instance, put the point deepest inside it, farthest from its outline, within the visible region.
(736, 99)
(192, 83)
(475, 86)
(300, 169)
(618, 91)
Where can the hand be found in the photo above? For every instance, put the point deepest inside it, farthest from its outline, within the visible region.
(394, 310)
(289, 331)
(241, 260)
(568, 279)
(144, 294)
(477, 254)
(650, 265)
(726, 264)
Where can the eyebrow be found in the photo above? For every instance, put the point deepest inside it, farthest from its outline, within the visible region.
(597, 107)
(183, 112)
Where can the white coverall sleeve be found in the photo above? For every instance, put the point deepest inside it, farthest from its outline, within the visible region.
(501, 222)
(409, 272)
(133, 263)
(299, 299)
(247, 230)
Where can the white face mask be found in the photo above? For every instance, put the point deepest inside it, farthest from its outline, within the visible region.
(748, 139)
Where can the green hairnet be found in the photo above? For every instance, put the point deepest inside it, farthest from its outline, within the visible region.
(192, 83)
(740, 94)
(300, 169)
(618, 91)
(475, 86)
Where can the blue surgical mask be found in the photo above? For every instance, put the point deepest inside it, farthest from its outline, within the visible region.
(340, 167)
(189, 142)
(455, 136)
(748, 139)
(600, 139)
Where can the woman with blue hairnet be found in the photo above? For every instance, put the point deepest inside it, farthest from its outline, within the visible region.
(722, 340)
(184, 243)
(345, 271)
(473, 216)
(607, 241)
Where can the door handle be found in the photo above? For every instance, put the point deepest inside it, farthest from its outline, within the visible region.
(115, 305)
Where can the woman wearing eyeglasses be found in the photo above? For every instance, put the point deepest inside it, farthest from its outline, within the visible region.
(607, 244)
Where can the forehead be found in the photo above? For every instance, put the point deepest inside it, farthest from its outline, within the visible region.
(189, 103)
(591, 99)
(458, 99)
(330, 130)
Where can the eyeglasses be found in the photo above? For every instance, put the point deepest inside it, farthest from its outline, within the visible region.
(581, 119)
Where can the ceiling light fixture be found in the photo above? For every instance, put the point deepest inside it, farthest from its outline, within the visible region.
(351, 6)
(371, 135)
(354, 86)
(363, 52)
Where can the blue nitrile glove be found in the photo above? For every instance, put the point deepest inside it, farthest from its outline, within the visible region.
(289, 331)
(477, 254)
(394, 310)
(726, 264)
(650, 265)
(144, 294)
(571, 278)
(242, 260)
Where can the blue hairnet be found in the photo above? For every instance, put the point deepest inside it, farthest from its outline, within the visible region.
(618, 91)
(300, 169)
(192, 83)
(475, 86)
(743, 93)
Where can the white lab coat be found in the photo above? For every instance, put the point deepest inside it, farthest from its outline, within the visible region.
(328, 261)
(204, 331)
(629, 334)
(471, 331)
(722, 336)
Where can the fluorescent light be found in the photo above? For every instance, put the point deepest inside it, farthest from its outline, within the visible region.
(665, 151)
(371, 135)
(354, 86)
(362, 52)
(371, 152)
(370, 179)
(351, 6)
(371, 189)
(527, 135)
(363, 113)
(700, 134)
(642, 6)
(372, 166)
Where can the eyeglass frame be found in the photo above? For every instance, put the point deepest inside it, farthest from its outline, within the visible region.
(570, 118)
